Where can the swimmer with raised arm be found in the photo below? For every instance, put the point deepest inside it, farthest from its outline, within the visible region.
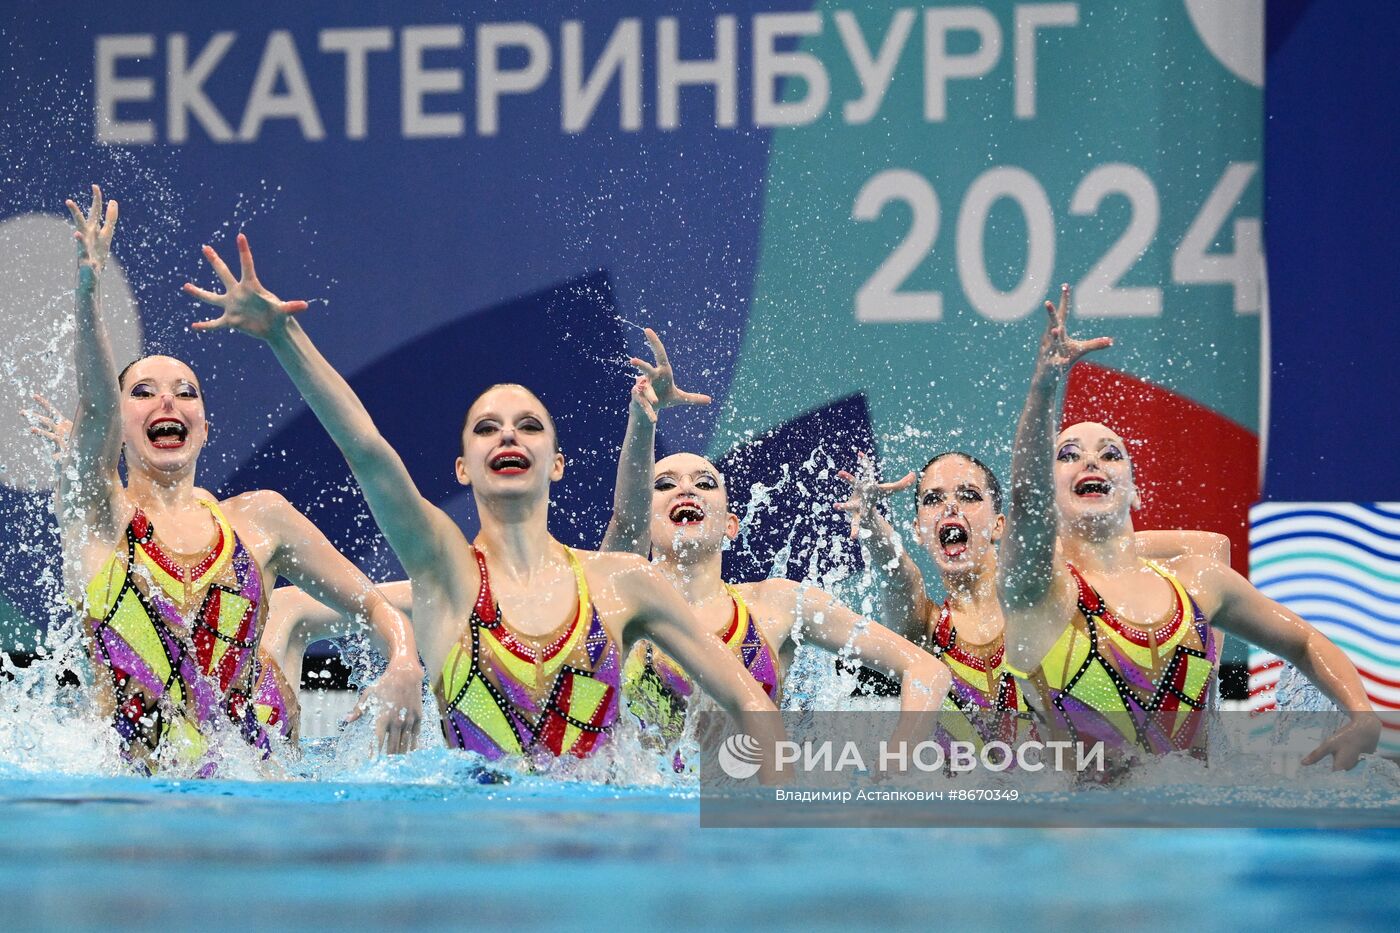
(1118, 646)
(677, 511)
(524, 636)
(174, 583)
(295, 619)
(959, 521)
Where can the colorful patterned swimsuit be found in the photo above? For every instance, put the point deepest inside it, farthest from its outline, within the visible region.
(658, 691)
(507, 694)
(1129, 686)
(984, 691)
(181, 644)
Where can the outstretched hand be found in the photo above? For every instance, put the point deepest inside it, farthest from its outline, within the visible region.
(49, 424)
(396, 698)
(866, 491)
(247, 305)
(1347, 745)
(1058, 350)
(95, 231)
(656, 388)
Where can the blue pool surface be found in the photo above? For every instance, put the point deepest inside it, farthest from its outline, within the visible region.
(127, 853)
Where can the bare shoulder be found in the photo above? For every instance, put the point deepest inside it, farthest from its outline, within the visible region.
(778, 594)
(604, 561)
(773, 604)
(261, 517)
(618, 572)
(1207, 580)
(258, 505)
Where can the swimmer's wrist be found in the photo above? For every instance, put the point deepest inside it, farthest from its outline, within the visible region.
(1047, 378)
(280, 330)
(89, 276)
(1365, 719)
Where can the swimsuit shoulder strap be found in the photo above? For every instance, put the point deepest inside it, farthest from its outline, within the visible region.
(756, 654)
(228, 543)
(943, 636)
(740, 623)
(484, 612)
(1090, 602)
(1183, 597)
(584, 599)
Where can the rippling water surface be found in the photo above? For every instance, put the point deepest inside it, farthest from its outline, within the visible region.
(449, 852)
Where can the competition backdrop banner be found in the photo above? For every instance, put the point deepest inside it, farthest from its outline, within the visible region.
(842, 218)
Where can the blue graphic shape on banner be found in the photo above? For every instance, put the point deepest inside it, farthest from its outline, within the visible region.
(783, 486)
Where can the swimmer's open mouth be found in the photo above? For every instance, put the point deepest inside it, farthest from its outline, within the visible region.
(509, 462)
(167, 433)
(1092, 487)
(686, 513)
(952, 537)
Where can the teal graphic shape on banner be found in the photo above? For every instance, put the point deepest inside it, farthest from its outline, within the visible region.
(906, 258)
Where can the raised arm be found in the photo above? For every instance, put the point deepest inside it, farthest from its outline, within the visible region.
(904, 603)
(304, 556)
(629, 529)
(417, 530)
(89, 486)
(1026, 570)
(1246, 612)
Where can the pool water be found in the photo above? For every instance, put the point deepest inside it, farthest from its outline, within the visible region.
(126, 853)
(429, 841)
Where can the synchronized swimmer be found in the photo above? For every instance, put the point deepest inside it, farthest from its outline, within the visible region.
(524, 638)
(173, 583)
(677, 512)
(1060, 616)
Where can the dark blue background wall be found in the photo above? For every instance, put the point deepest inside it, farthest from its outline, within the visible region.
(1332, 135)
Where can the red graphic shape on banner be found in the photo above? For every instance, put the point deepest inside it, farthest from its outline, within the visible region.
(1195, 468)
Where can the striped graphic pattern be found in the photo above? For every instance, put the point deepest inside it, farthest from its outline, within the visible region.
(1336, 564)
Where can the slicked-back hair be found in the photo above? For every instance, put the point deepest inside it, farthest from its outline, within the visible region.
(466, 419)
(993, 484)
(121, 376)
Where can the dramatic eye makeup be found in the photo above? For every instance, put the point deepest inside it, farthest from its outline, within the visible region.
(1069, 451)
(663, 483)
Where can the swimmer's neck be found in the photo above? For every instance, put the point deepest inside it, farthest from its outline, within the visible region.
(1106, 554)
(515, 534)
(156, 493)
(698, 577)
(974, 593)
